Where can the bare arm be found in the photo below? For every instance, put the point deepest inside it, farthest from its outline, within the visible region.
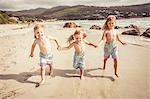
(102, 39)
(32, 48)
(118, 38)
(90, 44)
(68, 47)
(55, 39)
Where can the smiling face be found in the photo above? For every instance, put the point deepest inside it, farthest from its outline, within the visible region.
(78, 37)
(39, 32)
(111, 24)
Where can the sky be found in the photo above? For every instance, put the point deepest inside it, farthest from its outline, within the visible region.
(16, 5)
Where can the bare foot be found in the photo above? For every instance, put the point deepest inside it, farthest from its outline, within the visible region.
(40, 83)
(81, 77)
(116, 75)
(103, 68)
(37, 85)
(50, 73)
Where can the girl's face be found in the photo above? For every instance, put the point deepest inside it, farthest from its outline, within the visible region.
(39, 33)
(111, 24)
(78, 37)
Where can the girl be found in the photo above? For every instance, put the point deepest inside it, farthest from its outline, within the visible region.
(77, 40)
(110, 37)
(44, 45)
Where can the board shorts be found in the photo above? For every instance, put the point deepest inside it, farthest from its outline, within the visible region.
(46, 59)
(79, 61)
(111, 49)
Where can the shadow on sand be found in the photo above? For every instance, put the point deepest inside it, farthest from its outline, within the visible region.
(73, 73)
(23, 77)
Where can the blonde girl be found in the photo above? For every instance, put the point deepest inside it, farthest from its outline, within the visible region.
(110, 37)
(77, 40)
(46, 55)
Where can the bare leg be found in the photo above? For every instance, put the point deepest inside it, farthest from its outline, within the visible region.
(115, 66)
(42, 72)
(104, 63)
(81, 73)
(50, 69)
(42, 75)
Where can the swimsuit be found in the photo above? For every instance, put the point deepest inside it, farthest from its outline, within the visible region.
(110, 49)
(79, 61)
(46, 59)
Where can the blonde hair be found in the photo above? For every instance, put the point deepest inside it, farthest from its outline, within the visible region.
(109, 18)
(77, 32)
(37, 26)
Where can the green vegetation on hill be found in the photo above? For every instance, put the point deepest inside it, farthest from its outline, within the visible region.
(5, 19)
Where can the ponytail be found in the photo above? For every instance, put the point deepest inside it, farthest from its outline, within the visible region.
(70, 38)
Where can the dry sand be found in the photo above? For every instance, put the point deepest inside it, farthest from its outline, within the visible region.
(19, 73)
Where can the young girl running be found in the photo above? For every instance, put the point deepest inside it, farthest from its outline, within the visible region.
(46, 56)
(110, 36)
(77, 40)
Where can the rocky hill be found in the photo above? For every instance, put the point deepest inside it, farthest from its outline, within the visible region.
(31, 12)
(81, 12)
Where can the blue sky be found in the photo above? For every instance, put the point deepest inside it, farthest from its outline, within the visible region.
(32, 4)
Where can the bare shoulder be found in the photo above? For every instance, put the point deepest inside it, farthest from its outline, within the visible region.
(35, 41)
(73, 43)
(105, 31)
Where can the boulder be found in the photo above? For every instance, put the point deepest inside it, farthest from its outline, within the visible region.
(133, 27)
(131, 32)
(134, 30)
(146, 33)
(126, 27)
(117, 27)
(71, 25)
(95, 27)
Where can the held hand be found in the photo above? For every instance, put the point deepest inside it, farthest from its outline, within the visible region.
(124, 43)
(96, 46)
(92, 45)
(31, 55)
(59, 48)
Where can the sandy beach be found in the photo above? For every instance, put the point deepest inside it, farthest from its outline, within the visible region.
(19, 73)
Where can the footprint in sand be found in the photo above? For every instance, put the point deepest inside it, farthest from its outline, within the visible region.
(13, 62)
(5, 94)
(8, 54)
(4, 67)
(9, 94)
